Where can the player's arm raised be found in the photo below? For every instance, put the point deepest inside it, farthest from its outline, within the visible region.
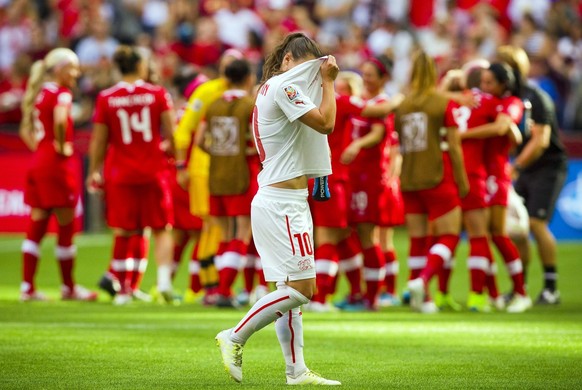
(322, 119)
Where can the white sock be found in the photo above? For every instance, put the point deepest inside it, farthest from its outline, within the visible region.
(164, 277)
(267, 310)
(290, 334)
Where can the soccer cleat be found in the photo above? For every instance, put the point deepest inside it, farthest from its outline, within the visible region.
(446, 302)
(311, 378)
(259, 292)
(78, 293)
(224, 301)
(193, 297)
(352, 304)
(231, 354)
(318, 307)
(416, 288)
(243, 298)
(388, 300)
(519, 304)
(122, 299)
(406, 297)
(548, 297)
(210, 298)
(167, 296)
(142, 296)
(478, 303)
(32, 296)
(109, 285)
(498, 303)
(429, 307)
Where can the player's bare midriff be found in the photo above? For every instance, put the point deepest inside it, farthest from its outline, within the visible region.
(296, 183)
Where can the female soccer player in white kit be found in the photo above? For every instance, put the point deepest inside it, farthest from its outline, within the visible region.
(294, 111)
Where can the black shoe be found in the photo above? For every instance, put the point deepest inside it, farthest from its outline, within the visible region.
(224, 301)
(508, 297)
(109, 285)
(548, 297)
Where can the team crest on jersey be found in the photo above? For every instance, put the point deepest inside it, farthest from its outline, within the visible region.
(305, 264)
(291, 92)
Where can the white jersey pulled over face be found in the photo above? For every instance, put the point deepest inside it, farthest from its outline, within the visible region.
(287, 147)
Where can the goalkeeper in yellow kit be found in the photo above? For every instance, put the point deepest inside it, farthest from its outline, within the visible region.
(194, 174)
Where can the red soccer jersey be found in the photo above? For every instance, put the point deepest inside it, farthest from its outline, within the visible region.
(497, 148)
(347, 107)
(465, 119)
(132, 113)
(50, 96)
(369, 158)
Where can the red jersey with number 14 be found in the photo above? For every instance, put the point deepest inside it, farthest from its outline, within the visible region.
(132, 113)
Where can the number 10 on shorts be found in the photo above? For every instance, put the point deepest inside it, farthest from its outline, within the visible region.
(301, 240)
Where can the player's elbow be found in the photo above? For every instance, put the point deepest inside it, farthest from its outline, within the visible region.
(327, 129)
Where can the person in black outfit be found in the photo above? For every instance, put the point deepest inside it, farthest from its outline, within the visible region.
(540, 167)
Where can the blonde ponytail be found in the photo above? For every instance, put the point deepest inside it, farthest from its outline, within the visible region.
(55, 59)
(37, 73)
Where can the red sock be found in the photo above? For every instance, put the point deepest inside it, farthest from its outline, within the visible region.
(231, 261)
(444, 276)
(438, 254)
(349, 251)
(120, 256)
(374, 267)
(326, 266)
(417, 256)
(490, 280)
(391, 271)
(512, 260)
(139, 252)
(31, 251)
(66, 253)
(478, 263)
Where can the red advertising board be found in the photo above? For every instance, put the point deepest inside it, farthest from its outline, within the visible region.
(13, 212)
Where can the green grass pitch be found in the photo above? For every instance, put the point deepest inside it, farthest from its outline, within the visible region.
(70, 345)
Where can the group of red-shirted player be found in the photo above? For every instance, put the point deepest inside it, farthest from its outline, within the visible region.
(367, 200)
(353, 230)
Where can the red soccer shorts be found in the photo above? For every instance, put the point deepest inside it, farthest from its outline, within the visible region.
(365, 197)
(51, 189)
(475, 199)
(497, 191)
(136, 206)
(183, 219)
(436, 201)
(391, 205)
(332, 213)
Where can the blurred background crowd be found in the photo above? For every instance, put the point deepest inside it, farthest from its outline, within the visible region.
(188, 36)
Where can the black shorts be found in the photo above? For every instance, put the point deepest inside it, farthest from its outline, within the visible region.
(540, 189)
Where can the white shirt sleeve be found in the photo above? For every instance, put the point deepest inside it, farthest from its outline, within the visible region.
(293, 101)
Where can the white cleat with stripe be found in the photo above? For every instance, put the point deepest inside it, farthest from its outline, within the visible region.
(311, 378)
(231, 354)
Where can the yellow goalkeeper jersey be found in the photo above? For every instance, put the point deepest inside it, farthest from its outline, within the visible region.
(199, 162)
